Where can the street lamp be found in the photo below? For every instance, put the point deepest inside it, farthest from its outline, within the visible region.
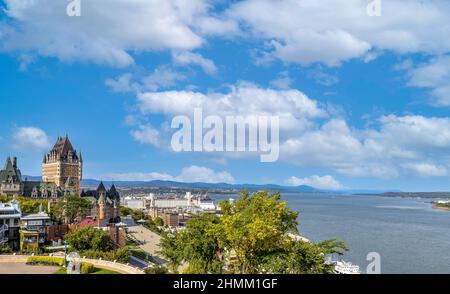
(65, 253)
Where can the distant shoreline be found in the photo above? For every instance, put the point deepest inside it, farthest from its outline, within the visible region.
(440, 207)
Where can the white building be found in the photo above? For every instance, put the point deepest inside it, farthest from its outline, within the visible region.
(37, 222)
(135, 203)
(10, 214)
(187, 202)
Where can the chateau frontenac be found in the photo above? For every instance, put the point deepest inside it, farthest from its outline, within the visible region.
(63, 166)
(62, 170)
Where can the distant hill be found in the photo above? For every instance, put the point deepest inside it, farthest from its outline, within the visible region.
(216, 186)
(32, 178)
(200, 185)
(173, 184)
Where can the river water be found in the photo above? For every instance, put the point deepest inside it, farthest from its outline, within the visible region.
(409, 235)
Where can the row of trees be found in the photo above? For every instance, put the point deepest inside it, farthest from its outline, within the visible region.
(27, 205)
(94, 243)
(67, 208)
(255, 234)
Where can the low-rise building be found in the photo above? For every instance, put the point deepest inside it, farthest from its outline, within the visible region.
(39, 223)
(170, 218)
(10, 214)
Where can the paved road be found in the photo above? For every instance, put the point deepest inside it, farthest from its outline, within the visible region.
(21, 268)
(149, 241)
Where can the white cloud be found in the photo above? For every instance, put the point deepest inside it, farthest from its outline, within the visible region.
(342, 29)
(433, 75)
(319, 182)
(204, 174)
(399, 145)
(122, 83)
(186, 58)
(394, 146)
(108, 31)
(282, 82)
(30, 138)
(293, 107)
(188, 175)
(161, 78)
(146, 134)
(427, 169)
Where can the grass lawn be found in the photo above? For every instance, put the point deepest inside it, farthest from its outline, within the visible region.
(97, 271)
(102, 271)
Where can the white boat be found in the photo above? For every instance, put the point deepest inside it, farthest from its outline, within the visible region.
(346, 268)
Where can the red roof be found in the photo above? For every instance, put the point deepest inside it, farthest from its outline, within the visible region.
(87, 222)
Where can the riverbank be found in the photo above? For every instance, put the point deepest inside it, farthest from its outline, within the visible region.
(441, 206)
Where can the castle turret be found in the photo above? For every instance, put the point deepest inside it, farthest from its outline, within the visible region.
(62, 163)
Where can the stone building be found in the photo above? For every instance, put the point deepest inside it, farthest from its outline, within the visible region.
(63, 166)
(11, 178)
(105, 203)
(47, 191)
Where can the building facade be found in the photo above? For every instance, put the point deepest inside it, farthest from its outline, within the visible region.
(105, 204)
(11, 178)
(10, 215)
(63, 166)
(37, 223)
(47, 191)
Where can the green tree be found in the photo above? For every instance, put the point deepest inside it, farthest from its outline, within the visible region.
(255, 234)
(125, 211)
(254, 227)
(27, 205)
(301, 257)
(138, 215)
(71, 207)
(159, 221)
(89, 238)
(200, 245)
(172, 250)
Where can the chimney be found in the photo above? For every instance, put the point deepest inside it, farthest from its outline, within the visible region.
(15, 162)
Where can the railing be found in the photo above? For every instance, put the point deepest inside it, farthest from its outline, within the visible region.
(110, 265)
(3, 230)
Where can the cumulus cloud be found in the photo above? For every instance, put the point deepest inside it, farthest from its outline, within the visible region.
(282, 82)
(189, 174)
(319, 182)
(187, 58)
(108, 32)
(147, 134)
(400, 145)
(293, 107)
(433, 75)
(30, 138)
(122, 83)
(161, 78)
(312, 137)
(342, 28)
(204, 174)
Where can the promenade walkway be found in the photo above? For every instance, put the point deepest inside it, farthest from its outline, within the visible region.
(17, 262)
(148, 241)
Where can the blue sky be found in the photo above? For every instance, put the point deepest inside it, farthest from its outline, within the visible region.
(363, 100)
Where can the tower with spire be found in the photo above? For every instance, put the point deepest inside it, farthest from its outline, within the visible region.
(11, 178)
(63, 166)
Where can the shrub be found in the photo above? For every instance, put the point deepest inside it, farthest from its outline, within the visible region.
(45, 260)
(89, 238)
(159, 222)
(5, 249)
(156, 270)
(121, 255)
(87, 268)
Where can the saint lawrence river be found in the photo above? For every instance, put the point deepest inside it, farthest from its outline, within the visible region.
(410, 236)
